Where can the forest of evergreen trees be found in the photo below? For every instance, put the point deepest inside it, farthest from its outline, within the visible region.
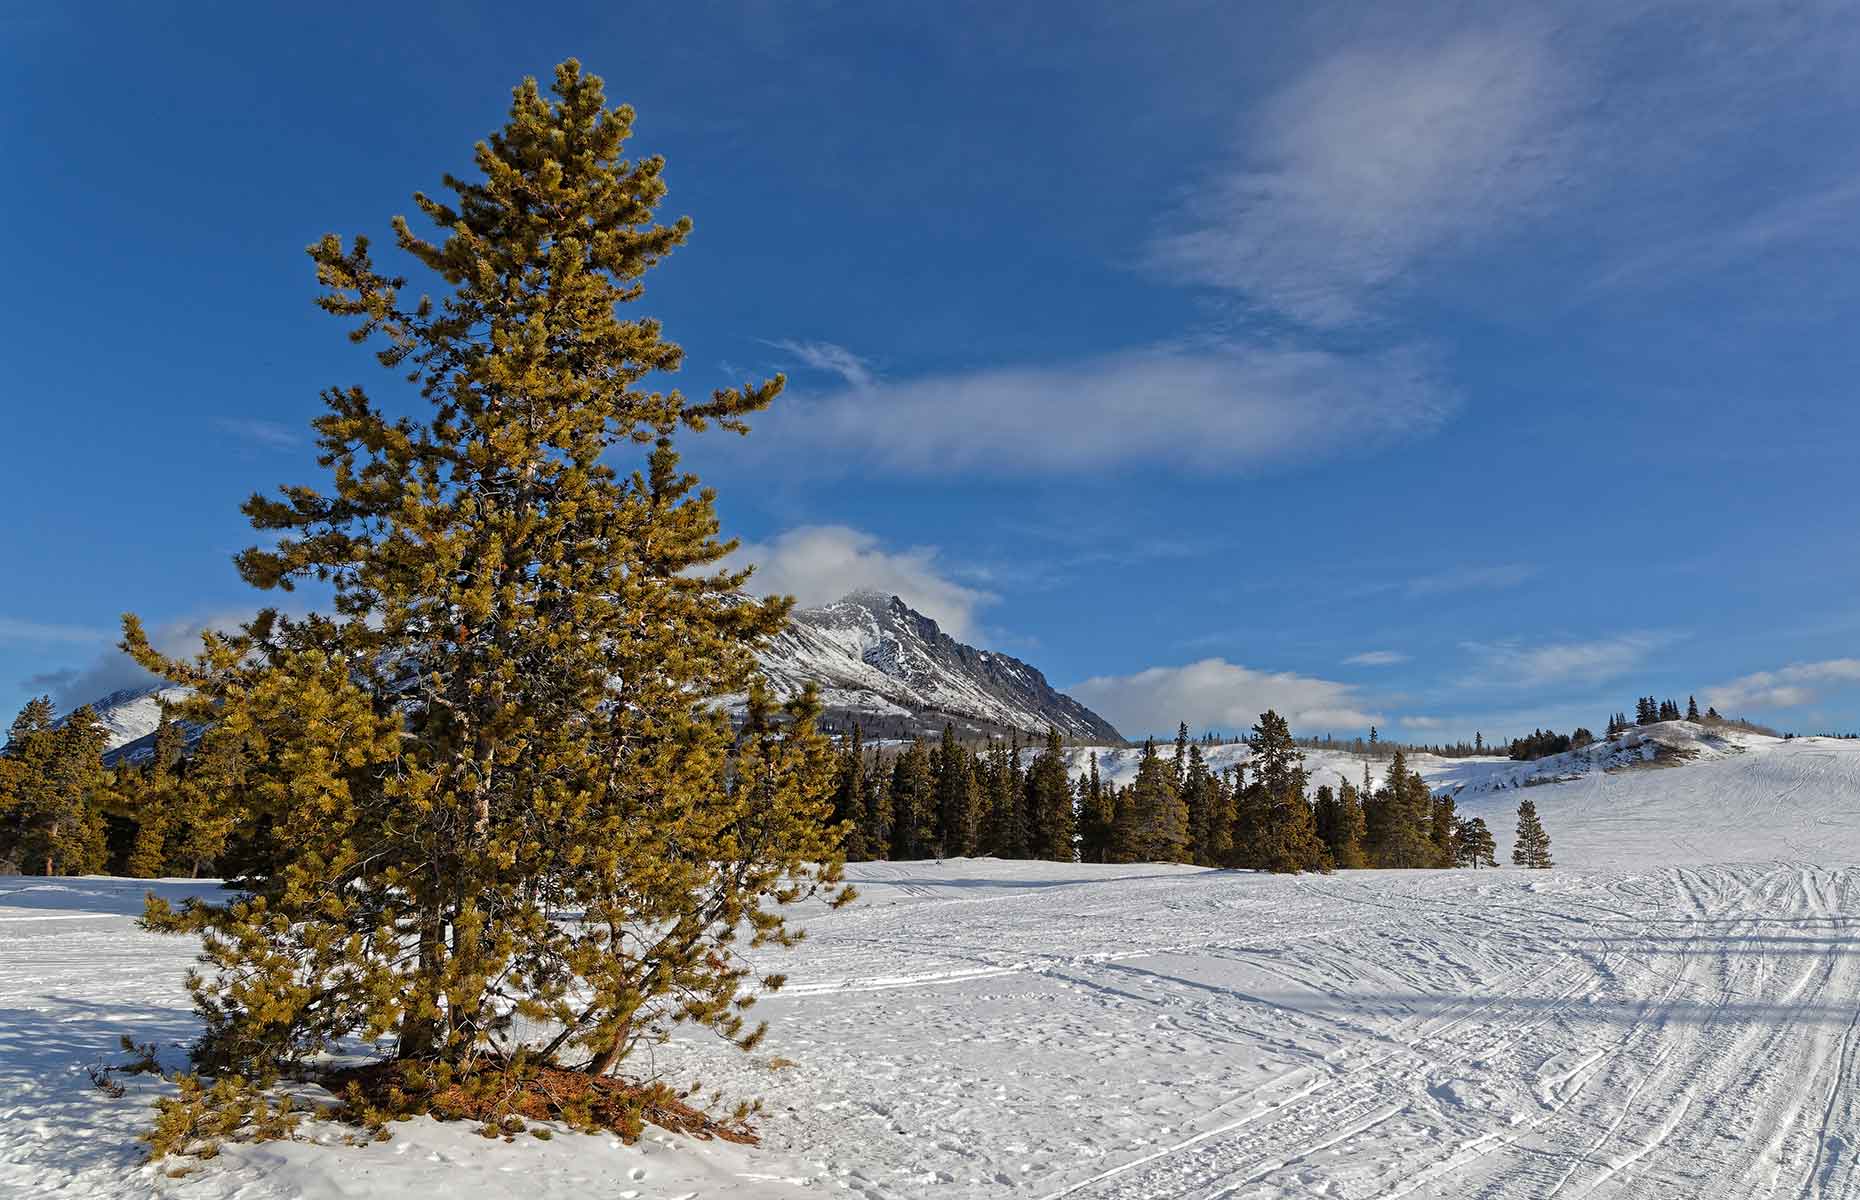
(949, 799)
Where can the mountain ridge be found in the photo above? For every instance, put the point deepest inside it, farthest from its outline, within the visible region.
(876, 661)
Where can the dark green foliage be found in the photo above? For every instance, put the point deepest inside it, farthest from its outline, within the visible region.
(1049, 796)
(958, 795)
(1097, 817)
(1399, 819)
(1274, 829)
(1152, 820)
(849, 796)
(1443, 831)
(1210, 808)
(913, 805)
(1532, 847)
(1474, 846)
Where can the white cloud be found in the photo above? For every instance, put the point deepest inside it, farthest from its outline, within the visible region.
(1466, 579)
(271, 434)
(1515, 664)
(1371, 160)
(1788, 687)
(1217, 694)
(1376, 658)
(111, 670)
(1220, 406)
(15, 630)
(831, 358)
(817, 564)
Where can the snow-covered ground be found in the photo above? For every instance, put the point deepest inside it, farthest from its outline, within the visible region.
(1671, 1013)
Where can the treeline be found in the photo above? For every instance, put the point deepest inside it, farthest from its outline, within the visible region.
(933, 801)
(62, 812)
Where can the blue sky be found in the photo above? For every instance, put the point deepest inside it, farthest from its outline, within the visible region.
(1455, 368)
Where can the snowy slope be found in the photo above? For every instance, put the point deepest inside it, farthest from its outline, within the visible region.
(1671, 1013)
(133, 713)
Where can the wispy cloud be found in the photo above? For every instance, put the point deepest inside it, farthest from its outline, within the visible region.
(13, 629)
(1787, 687)
(1216, 694)
(1825, 217)
(1374, 158)
(1376, 658)
(1206, 407)
(1467, 579)
(831, 358)
(1516, 664)
(273, 435)
(817, 564)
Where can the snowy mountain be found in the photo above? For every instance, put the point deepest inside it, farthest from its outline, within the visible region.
(880, 662)
(131, 714)
(875, 660)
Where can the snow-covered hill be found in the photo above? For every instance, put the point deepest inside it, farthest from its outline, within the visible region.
(882, 663)
(131, 714)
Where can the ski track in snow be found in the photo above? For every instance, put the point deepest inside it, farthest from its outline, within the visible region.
(1649, 1020)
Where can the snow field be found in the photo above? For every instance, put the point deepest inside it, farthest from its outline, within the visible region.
(1671, 1013)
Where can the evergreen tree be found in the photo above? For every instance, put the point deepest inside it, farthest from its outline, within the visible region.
(1347, 840)
(1645, 711)
(1097, 817)
(1692, 709)
(1474, 845)
(956, 794)
(1403, 811)
(913, 805)
(1050, 794)
(879, 819)
(1158, 821)
(52, 794)
(1210, 812)
(1180, 764)
(1276, 830)
(513, 710)
(849, 795)
(1532, 848)
(1004, 799)
(1444, 830)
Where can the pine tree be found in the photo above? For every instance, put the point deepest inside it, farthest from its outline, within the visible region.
(913, 805)
(1403, 810)
(849, 795)
(1004, 800)
(514, 709)
(51, 795)
(1210, 812)
(1097, 817)
(1444, 830)
(879, 819)
(1049, 794)
(1532, 848)
(1347, 841)
(956, 795)
(1276, 831)
(1180, 764)
(1692, 709)
(1157, 818)
(1475, 846)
